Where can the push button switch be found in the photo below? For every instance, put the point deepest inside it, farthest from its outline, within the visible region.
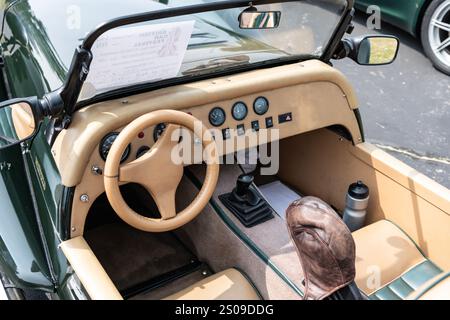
(255, 126)
(240, 130)
(269, 122)
(226, 134)
(285, 117)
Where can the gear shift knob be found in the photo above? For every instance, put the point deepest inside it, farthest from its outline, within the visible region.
(243, 184)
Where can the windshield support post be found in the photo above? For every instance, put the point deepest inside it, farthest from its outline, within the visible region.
(338, 35)
(78, 73)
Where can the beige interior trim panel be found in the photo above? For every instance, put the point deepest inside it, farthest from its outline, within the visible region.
(94, 278)
(326, 165)
(317, 95)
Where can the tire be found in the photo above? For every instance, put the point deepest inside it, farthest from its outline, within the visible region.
(435, 34)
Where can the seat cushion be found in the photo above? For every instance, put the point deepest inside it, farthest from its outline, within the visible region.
(226, 285)
(437, 288)
(407, 283)
(389, 265)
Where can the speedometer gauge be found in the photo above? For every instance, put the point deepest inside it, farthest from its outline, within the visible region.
(217, 116)
(261, 106)
(106, 144)
(239, 111)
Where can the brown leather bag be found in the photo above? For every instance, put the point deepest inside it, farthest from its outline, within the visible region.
(324, 245)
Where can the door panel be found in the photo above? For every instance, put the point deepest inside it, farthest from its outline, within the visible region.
(22, 257)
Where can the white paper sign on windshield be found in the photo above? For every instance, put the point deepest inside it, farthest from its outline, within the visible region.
(138, 54)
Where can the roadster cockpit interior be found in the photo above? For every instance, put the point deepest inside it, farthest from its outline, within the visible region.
(212, 151)
(190, 240)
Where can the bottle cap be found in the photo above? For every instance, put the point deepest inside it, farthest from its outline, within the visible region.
(358, 190)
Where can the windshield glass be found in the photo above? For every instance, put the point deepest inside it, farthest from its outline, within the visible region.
(208, 43)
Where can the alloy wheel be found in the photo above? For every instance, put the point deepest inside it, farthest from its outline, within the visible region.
(439, 33)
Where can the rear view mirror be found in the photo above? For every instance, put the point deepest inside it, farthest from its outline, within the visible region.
(377, 50)
(17, 122)
(252, 19)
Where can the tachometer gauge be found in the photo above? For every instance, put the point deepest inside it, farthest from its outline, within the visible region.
(106, 144)
(261, 106)
(239, 111)
(217, 116)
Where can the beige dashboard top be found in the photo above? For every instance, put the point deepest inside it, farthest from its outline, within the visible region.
(331, 96)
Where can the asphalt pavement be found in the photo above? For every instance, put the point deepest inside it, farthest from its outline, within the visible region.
(405, 106)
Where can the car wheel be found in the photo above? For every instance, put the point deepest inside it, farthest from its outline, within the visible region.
(435, 34)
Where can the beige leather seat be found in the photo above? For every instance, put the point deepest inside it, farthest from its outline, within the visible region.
(390, 266)
(226, 285)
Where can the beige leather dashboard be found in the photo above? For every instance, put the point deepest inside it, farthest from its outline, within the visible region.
(302, 97)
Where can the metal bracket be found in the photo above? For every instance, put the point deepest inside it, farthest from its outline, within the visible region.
(62, 123)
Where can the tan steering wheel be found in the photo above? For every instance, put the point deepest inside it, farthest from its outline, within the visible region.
(158, 173)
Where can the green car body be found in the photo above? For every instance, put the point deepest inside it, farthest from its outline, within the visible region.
(404, 14)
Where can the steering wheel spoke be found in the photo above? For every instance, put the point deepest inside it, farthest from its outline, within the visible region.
(157, 172)
(166, 204)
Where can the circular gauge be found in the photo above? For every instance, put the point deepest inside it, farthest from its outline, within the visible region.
(106, 144)
(158, 131)
(261, 105)
(217, 116)
(239, 111)
(141, 151)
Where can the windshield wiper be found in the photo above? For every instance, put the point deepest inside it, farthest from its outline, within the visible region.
(219, 63)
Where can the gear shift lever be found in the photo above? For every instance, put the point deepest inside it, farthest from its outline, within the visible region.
(243, 193)
(246, 203)
(243, 184)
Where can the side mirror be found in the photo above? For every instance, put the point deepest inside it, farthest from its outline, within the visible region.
(371, 50)
(19, 121)
(252, 19)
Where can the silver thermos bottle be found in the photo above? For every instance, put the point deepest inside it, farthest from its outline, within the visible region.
(356, 205)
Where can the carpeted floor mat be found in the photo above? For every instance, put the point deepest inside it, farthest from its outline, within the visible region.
(131, 257)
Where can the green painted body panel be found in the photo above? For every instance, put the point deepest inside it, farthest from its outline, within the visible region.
(22, 257)
(48, 188)
(32, 67)
(405, 14)
(22, 242)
